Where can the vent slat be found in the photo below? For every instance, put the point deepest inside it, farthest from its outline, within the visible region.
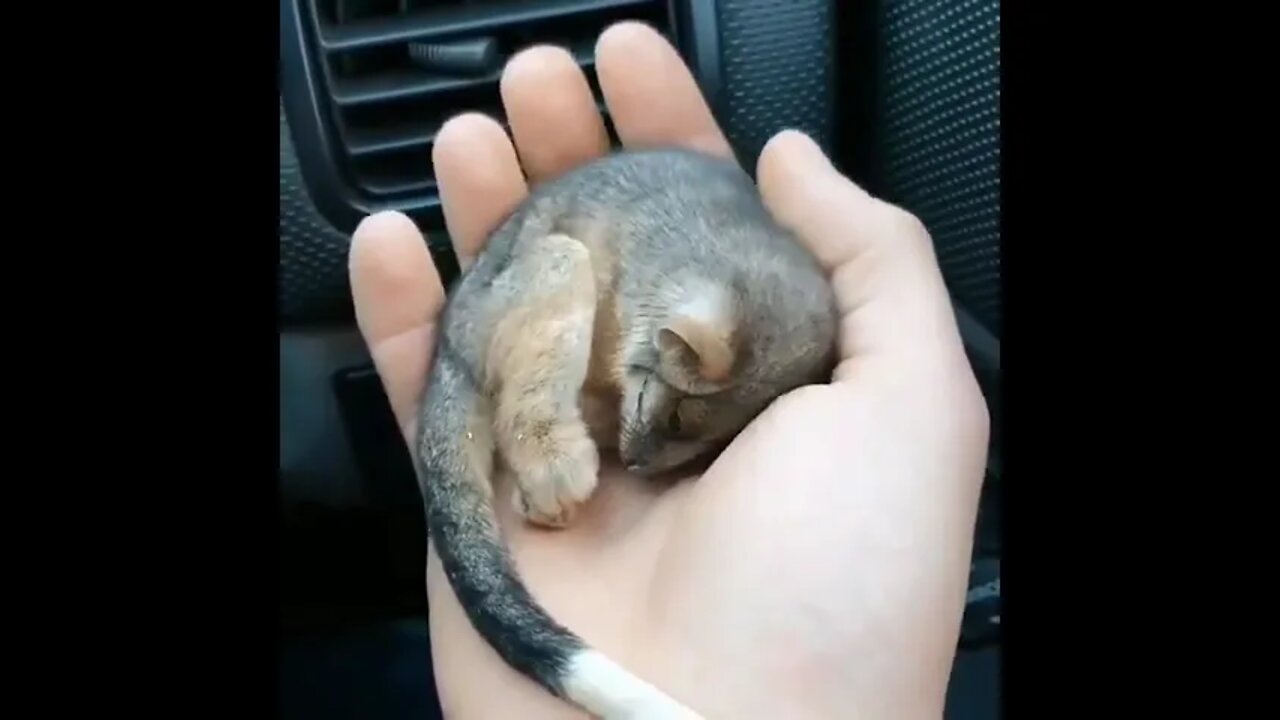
(400, 85)
(361, 143)
(404, 84)
(388, 105)
(470, 19)
(398, 186)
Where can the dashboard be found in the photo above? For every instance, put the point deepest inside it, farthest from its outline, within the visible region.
(904, 95)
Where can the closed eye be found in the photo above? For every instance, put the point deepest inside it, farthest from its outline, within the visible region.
(640, 395)
(674, 425)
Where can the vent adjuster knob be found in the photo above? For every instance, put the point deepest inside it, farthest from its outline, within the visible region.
(476, 56)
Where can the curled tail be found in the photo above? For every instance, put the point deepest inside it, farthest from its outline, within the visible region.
(455, 449)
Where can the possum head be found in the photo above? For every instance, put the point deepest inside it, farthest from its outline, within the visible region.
(712, 355)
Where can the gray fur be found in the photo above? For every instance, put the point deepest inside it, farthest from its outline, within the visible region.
(667, 230)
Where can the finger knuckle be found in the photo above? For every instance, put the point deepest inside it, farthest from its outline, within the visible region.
(971, 411)
(979, 416)
(902, 222)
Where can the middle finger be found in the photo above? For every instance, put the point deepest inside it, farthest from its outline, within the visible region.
(479, 180)
(552, 112)
(652, 95)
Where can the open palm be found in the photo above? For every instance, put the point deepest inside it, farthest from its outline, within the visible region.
(818, 568)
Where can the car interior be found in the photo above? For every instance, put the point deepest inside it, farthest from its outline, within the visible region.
(903, 94)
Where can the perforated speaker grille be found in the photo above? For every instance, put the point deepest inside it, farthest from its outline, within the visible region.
(312, 283)
(778, 59)
(939, 135)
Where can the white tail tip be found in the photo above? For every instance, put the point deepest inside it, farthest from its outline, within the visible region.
(608, 690)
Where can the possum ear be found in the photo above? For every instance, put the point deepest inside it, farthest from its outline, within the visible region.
(697, 341)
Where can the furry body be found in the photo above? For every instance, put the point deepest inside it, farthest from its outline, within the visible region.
(646, 303)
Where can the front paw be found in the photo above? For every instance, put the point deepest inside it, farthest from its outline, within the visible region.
(551, 495)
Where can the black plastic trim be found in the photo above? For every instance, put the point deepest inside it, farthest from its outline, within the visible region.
(313, 126)
(433, 24)
(377, 446)
(698, 34)
(305, 88)
(980, 625)
(309, 123)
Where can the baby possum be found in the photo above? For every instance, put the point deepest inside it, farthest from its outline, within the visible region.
(645, 303)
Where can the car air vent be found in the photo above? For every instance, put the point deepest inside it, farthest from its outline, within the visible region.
(390, 72)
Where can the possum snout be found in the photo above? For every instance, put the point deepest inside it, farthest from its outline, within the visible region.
(650, 454)
(637, 452)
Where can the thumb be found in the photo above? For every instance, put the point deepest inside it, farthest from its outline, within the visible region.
(892, 299)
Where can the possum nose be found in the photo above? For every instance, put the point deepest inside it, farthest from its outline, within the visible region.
(637, 452)
(629, 455)
(638, 463)
(634, 459)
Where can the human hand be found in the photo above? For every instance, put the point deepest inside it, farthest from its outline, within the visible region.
(818, 568)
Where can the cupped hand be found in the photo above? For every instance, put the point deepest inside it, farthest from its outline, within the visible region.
(818, 568)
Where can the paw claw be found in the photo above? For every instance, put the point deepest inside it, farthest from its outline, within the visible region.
(558, 518)
(551, 496)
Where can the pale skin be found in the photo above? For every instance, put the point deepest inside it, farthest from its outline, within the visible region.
(818, 568)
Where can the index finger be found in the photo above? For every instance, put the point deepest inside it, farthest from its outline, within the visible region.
(397, 294)
(651, 94)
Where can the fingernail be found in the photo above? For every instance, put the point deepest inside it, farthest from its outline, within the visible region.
(798, 148)
(382, 223)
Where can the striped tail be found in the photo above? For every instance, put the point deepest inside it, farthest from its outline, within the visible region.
(454, 461)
